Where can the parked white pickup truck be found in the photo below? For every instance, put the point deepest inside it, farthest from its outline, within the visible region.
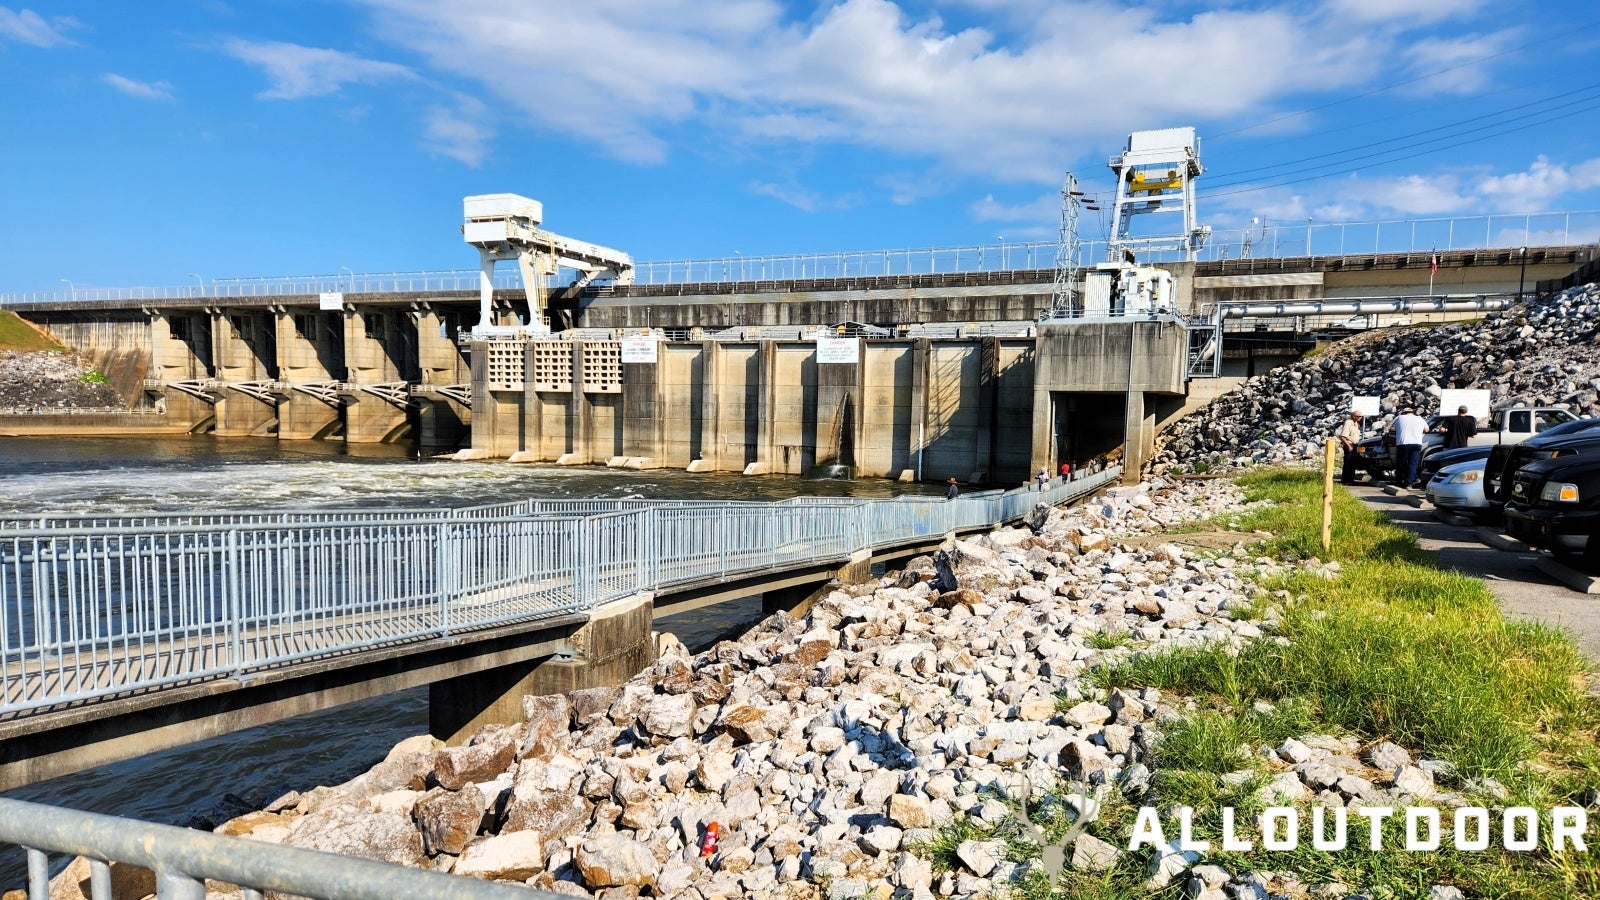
(1511, 425)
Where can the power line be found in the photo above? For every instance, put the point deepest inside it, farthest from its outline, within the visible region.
(1583, 104)
(1262, 187)
(1403, 137)
(1574, 29)
(1473, 100)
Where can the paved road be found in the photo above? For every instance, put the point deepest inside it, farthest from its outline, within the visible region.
(1524, 591)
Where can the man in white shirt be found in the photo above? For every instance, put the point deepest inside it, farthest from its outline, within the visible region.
(1408, 429)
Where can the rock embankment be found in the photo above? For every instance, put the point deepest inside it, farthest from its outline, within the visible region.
(1544, 353)
(829, 749)
(40, 381)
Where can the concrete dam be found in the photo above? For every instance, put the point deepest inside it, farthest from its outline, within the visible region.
(983, 409)
(736, 386)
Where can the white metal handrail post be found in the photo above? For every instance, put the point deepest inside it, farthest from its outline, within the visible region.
(441, 581)
(722, 538)
(644, 578)
(235, 604)
(585, 578)
(43, 634)
(772, 534)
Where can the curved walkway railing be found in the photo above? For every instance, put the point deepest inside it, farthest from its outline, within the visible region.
(93, 607)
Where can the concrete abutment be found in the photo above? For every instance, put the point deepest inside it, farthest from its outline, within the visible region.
(612, 646)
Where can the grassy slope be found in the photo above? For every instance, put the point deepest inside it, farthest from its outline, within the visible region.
(1393, 648)
(16, 334)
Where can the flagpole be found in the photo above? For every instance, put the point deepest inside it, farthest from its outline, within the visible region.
(1433, 269)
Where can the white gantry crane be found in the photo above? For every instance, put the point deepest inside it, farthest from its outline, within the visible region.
(1156, 174)
(506, 227)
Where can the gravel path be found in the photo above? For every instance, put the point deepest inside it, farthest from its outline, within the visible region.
(1524, 591)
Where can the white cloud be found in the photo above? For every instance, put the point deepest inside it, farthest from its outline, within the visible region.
(1446, 192)
(297, 71)
(459, 133)
(1408, 12)
(906, 188)
(1041, 209)
(1463, 65)
(28, 27)
(631, 76)
(142, 90)
(800, 198)
(1540, 186)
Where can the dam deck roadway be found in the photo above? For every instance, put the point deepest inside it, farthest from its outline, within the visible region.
(125, 636)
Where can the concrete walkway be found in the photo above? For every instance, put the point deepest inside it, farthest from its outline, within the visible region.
(1524, 591)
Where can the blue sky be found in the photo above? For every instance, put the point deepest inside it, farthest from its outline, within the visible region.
(147, 141)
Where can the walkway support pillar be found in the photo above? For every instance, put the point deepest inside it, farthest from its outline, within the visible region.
(614, 645)
(797, 600)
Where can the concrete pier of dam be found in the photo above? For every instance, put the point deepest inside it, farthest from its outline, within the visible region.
(984, 410)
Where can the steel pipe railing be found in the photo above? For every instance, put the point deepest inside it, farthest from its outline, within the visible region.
(183, 859)
(94, 607)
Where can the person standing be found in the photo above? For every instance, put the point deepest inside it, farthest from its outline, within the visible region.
(952, 491)
(1458, 429)
(1408, 429)
(1043, 478)
(1348, 436)
(1066, 471)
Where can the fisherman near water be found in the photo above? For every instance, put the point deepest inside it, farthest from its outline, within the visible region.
(1043, 478)
(952, 491)
(1348, 436)
(1408, 428)
(1457, 429)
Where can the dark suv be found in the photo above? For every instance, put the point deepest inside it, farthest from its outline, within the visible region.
(1575, 438)
(1554, 504)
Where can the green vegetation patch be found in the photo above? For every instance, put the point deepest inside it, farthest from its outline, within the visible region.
(16, 334)
(1393, 647)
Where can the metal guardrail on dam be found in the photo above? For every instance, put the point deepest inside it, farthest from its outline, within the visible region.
(1309, 239)
(93, 607)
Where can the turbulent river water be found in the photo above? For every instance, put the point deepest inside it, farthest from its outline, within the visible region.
(112, 476)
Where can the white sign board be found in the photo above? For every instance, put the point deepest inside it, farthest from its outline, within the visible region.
(1476, 402)
(1367, 406)
(331, 301)
(639, 350)
(838, 350)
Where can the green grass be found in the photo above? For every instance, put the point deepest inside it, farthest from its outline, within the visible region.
(1108, 639)
(16, 334)
(1215, 741)
(1394, 648)
(92, 377)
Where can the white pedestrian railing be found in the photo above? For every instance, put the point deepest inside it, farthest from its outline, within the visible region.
(1276, 240)
(93, 607)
